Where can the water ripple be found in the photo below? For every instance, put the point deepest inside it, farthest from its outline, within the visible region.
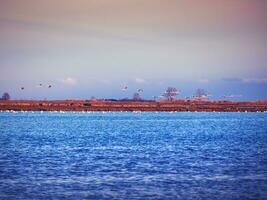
(54, 155)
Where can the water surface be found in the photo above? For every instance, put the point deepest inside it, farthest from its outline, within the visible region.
(133, 155)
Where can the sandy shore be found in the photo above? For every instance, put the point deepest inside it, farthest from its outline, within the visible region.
(101, 105)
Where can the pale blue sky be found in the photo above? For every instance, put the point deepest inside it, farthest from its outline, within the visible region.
(93, 48)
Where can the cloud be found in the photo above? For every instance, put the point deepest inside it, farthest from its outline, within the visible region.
(105, 81)
(99, 81)
(139, 80)
(69, 81)
(233, 79)
(70, 30)
(245, 80)
(254, 80)
(204, 80)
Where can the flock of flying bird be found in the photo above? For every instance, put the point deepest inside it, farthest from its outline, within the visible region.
(40, 85)
(125, 88)
(199, 97)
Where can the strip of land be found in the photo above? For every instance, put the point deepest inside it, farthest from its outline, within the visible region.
(122, 105)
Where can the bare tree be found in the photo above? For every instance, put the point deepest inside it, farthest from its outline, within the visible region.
(171, 93)
(93, 98)
(201, 94)
(136, 96)
(5, 96)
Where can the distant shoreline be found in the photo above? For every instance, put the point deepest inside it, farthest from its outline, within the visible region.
(122, 105)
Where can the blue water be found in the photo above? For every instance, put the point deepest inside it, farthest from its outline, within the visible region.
(133, 155)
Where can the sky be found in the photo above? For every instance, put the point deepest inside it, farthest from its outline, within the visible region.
(86, 48)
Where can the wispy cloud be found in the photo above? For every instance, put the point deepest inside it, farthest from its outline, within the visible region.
(69, 81)
(105, 81)
(71, 29)
(99, 81)
(204, 80)
(254, 80)
(232, 79)
(246, 80)
(139, 80)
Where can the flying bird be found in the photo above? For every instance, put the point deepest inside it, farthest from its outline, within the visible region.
(22, 88)
(140, 90)
(125, 88)
(49, 86)
(39, 85)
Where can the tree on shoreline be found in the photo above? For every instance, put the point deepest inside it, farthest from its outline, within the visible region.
(5, 96)
(136, 96)
(171, 93)
(201, 94)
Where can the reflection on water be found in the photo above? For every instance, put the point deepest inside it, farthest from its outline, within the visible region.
(133, 155)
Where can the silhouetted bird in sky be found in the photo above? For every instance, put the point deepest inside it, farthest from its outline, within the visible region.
(125, 88)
